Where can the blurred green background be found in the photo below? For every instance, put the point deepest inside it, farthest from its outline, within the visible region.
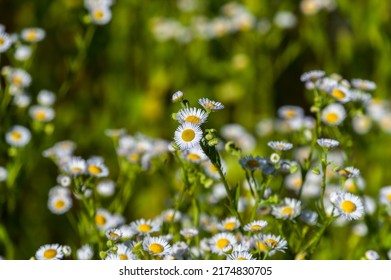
(128, 77)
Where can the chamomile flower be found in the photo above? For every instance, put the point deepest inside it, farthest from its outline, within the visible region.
(23, 53)
(18, 136)
(312, 75)
(105, 220)
(177, 96)
(220, 241)
(270, 243)
(144, 227)
(125, 253)
(100, 14)
(288, 112)
(105, 188)
(41, 113)
(85, 252)
(187, 136)
(372, 255)
(180, 249)
(19, 78)
(229, 224)
(192, 115)
(309, 217)
(171, 215)
(5, 42)
(195, 155)
(349, 172)
(361, 124)
(189, 232)
(333, 114)
(289, 210)
(156, 246)
(210, 105)
(75, 166)
(33, 34)
(114, 234)
(59, 203)
(340, 94)
(327, 143)
(293, 181)
(348, 205)
(252, 163)
(385, 195)
(46, 97)
(96, 167)
(240, 256)
(364, 85)
(280, 145)
(211, 170)
(255, 226)
(49, 252)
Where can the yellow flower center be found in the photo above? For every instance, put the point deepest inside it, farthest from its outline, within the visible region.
(134, 157)
(230, 226)
(241, 259)
(99, 14)
(169, 217)
(261, 246)
(188, 135)
(213, 168)
(113, 235)
(100, 220)
(40, 115)
(17, 80)
(252, 163)
(194, 157)
(1, 41)
(193, 119)
(389, 197)
(156, 248)
(76, 169)
(290, 113)
(331, 118)
(209, 105)
(50, 253)
(15, 135)
(221, 243)
(31, 36)
(287, 211)
(255, 227)
(59, 204)
(144, 228)
(123, 257)
(348, 206)
(271, 242)
(338, 94)
(94, 169)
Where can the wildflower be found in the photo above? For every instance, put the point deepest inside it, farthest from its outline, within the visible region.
(312, 75)
(333, 114)
(255, 226)
(293, 181)
(18, 136)
(85, 252)
(195, 155)
(19, 78)
(289, 210)
(348, 205)
(156, 246)
(240, 255)
(96, 168)
(189, 232)
(385, 195)
(229, 224)
(349, 172)
(280, 146)
(5, 42)
(192, 115)
(59, 203)
(340, 93)
(212, 170)
(22, 100)
(327, 143)
(221, 240)
(171, 215)
(105, 220)
(309, 217)
(289, 112)
(285, 19)
(3, 174)
(144, 227)
(354, 184)
(100, 14)
(114, 234)
(49, 252)
(46, 97)
(177, 96)
(251, 163)
(179, 249)
(187, 136)
(125, 253)
(23, 53)
(41, 113)
(372, 255)
(363, 84)
(106, 188)
(270, 243)
(210, 105)
(33, 34)
(75, 166)
(361, 124)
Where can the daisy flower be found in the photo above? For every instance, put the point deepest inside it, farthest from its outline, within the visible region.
(252, 163)
(179, 249)
(255, 226)
(49, 252)
(114, 234)
(385, 195)
(289, 210)
(229, 224)
(288, 112)
(85, 252)
(144, 227)
(312, 75)
(309, 217)
(192, 115)
(220, 241)
(100, 14)
(177, 97)
(240, 256)
(33, 34)
(327, 143)
(3, 174)
(75, 166)
(41, 113)
(105, 220)
(372, 255)
(349, 172)
(363, 84)
(333, 114)
(125, 253)
(189, 232)
(293, 181)
(340, 93)
(195, 154)
(23, 53)
(105, 188)
(46, 97)
(5, 42)
(156, 246)
(171, 215)
(280, 145)
(59, 204)
(96, 168)
(187, 136)
(210, 105)
(348, 205)
(18, 136)
(270, 243)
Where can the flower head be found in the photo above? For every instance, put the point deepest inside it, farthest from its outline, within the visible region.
(210, 105)
(333, 114)
(348, 205)
(188, 135)
(156, 246)
(49, 252)
(18, 136)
